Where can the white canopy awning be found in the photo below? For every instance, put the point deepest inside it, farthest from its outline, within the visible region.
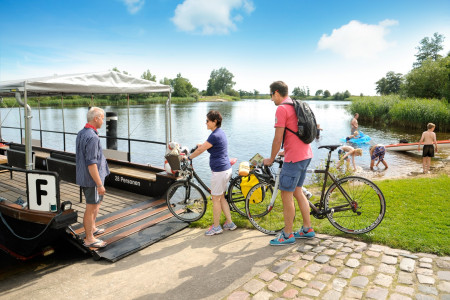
(88, 83)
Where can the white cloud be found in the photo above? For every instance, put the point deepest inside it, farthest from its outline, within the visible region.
(134, 6)
(210, 16)
(358, 40)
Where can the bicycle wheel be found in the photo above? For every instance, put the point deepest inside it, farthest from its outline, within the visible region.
(186, 201)
(265, 217)
(365, 211)
(235, 197)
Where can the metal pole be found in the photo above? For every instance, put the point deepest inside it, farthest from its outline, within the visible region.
(111, 130)
(63, 123)
(40, 124)
(20, 125)
(1, 104)
(129, 142)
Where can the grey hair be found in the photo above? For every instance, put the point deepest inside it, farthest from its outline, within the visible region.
(94, 112)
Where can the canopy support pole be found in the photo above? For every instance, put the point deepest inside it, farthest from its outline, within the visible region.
(63, 123)
(129, 142)
(28, 116)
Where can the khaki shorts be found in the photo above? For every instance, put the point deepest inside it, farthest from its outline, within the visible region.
(219, 182)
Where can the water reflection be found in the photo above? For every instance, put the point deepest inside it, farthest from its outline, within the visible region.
(248, 125)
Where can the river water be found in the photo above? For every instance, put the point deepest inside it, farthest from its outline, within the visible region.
(248, 125)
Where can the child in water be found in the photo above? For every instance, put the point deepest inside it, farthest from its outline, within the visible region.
(354, 136)
(345, 152)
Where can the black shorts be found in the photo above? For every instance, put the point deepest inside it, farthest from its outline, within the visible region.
(428, 151)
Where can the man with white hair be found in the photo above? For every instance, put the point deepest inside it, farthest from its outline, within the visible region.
(92, 169)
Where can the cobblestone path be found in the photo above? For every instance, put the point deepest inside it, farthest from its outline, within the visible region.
(334, 268)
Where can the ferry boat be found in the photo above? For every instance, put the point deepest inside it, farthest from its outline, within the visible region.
(39, 200)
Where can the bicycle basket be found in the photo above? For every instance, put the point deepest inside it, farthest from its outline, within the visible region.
(174, 161)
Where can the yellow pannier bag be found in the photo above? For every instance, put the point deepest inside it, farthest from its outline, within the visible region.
(247, 183)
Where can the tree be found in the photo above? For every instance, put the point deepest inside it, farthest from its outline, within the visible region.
(429, 49)
(391, 84)
(326, 94)
(256, 93)
(148, 76)
(431, 80)
(298, 92)
(347, 94)
(117, 70)
(319, 92)
(220, 81)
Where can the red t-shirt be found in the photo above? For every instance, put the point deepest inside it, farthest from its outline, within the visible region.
(294, 148)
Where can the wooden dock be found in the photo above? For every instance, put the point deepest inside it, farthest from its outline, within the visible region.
(131, 221)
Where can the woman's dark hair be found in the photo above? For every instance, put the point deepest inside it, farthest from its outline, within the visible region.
(215, 115)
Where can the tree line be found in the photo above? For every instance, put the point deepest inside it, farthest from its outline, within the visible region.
(429, 77)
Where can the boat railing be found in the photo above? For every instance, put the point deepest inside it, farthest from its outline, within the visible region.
(129, 140)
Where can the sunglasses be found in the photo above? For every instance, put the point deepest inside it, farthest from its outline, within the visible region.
(273, 93)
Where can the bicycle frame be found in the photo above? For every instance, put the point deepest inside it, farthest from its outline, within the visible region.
(189, 169)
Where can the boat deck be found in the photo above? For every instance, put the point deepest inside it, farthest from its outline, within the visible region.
(131, 221)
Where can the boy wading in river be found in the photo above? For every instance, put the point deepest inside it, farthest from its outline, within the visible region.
(428, 139)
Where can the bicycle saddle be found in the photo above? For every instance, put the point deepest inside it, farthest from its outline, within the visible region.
(330, 147)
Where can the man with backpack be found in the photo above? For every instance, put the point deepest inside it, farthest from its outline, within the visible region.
(298, 155)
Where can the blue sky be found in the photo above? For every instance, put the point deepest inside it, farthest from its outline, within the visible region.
(330, 44)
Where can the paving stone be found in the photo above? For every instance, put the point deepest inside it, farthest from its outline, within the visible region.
(310, 292)
(339, 284)
(317, 285)
(423, 271)
(425, 265)
(384, 268)
(405, 278)
(262, 295)
(286, 277)
(371, 261)
(359, 281)
(360, 249)
(444, 264)
(322, 259)
(313, 268)
(396, 296)
(309, 256)
(267, 275)
(346, 273)
(377, 293)
(389, 260)
(306, 276)
(276, 286)
(301, 263)
(404, 290)
(384, 280)
(331, 295)
(329, 270)
(444, 286)
(329, 252)
(407, 264)
(299, 283)
(313, 242)
(304, 248)
(292, 293)
(254, 286)
(426, 260)
(281, 267)
(239, 295)
(372, 253)
(366, 270)
(293, 270)
(293, 257)
(444, 275)
(445, 297)
(346, 249)
(378, 248)
(336, 245)
(428, 290)
(326, 243)
(341, 255)
(340, 239)
(409, 255)
(353, 294)
(425, 279)
(324, 277)
(356, 255)
(318, 249)
(336, 262)
(391, 252)
(352, 263)
(424, 297)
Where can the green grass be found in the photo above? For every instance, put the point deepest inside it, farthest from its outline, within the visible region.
(417, 216)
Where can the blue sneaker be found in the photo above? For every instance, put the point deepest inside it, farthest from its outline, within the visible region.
(214, 230)
(281, 239)
(229, 226)
(302, 234)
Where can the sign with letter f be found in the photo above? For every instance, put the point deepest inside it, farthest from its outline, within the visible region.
(42, 192)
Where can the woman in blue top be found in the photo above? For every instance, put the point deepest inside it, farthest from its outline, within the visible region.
(217, 146)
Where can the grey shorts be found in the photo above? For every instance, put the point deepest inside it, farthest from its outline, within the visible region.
(92, 196)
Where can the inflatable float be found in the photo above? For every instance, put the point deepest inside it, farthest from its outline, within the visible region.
(362, 139)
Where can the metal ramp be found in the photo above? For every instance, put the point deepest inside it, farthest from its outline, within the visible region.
(130, 229)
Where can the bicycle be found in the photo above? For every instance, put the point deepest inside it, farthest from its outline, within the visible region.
(187, 201)
(352, 204)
